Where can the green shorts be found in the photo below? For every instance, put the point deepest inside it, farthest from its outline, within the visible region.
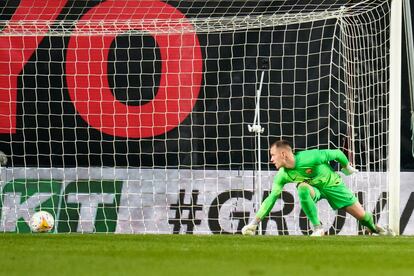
(338, 196)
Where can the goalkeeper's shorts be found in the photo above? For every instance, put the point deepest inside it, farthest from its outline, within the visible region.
(338, 196)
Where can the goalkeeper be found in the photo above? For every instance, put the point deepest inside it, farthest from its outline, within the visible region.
(315, 180)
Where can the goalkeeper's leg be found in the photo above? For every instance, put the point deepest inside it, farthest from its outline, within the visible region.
(307, 198)
(366, 219)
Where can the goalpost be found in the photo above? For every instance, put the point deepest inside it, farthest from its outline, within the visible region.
(395, 115)
(155, 116)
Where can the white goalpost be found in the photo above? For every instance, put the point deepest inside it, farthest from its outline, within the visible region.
(156, 116)
(395, 115)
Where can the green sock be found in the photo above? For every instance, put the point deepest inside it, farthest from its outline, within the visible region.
(308, 205)
(368, 221)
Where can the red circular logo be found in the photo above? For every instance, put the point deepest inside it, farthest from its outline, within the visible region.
(86, 70)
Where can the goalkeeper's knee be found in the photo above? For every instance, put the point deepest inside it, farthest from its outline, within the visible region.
(304, 192)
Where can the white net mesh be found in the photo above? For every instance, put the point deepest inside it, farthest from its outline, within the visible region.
(112, 17)
(131, 116)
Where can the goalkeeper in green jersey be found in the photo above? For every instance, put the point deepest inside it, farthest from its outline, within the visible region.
(316, 180)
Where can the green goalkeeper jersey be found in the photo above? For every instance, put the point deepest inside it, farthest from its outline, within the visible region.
(312, 167)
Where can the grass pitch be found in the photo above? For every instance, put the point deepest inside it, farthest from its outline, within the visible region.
(95, 254)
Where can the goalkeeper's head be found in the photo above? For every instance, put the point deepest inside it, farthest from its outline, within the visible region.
(281, 155)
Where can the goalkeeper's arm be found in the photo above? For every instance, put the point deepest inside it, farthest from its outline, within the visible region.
(265, 208)
(338, 156)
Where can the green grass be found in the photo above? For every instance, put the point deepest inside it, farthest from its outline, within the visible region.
(75, 254)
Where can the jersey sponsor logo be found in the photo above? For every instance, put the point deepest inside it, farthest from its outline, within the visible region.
(309, 171)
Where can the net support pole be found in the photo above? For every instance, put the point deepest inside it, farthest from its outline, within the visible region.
(258, 130)
(395, 116)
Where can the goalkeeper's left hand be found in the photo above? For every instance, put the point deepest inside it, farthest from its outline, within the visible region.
(249, 229)
(348, 170)
(3, 159)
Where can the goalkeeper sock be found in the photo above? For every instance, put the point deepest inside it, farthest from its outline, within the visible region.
(308, 205)
(368, 221)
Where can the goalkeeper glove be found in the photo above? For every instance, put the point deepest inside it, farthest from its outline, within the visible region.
(348, 170)
(250, 229)
(3, 159)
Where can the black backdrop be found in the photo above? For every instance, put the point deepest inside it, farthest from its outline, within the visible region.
(51, 133)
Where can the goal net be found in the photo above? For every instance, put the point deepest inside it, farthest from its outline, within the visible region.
(132, 116)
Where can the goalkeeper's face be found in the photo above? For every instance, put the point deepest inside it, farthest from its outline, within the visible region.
(282, 157)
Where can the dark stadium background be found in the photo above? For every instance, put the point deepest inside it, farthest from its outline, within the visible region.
(51, 133)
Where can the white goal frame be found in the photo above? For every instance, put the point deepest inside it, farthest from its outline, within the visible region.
(189, 173)
(395, 116)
